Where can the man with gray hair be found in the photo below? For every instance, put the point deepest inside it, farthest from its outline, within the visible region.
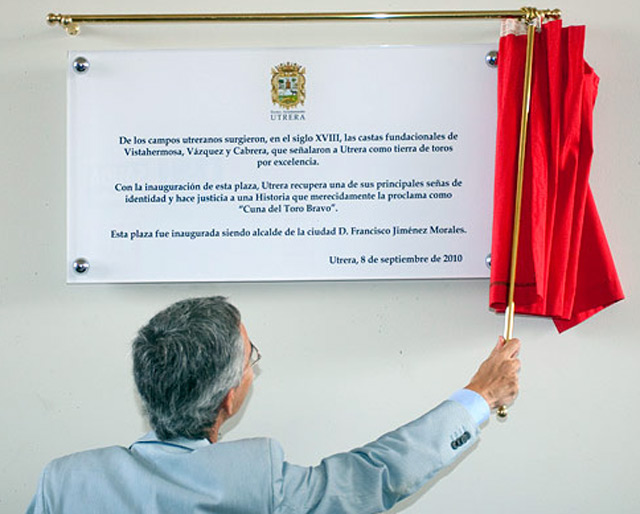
(193, 366)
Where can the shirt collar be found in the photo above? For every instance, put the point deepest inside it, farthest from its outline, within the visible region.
(179, 442)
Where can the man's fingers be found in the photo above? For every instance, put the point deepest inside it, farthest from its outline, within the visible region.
(516, 349)
(510, 367)
(511, 347)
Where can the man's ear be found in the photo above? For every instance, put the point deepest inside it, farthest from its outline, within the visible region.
(228, 403)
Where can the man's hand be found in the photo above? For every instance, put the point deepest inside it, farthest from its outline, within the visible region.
(497, 377)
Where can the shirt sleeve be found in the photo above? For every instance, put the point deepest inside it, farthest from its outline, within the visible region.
(474, 403)
(376, 476)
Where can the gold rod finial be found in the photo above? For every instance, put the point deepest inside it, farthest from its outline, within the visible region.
(532, 15)
(65, 21)
(53, 18)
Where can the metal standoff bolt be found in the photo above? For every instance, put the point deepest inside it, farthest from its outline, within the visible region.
(492, 59)
(487, 260)
(81, 265)
(81, 65)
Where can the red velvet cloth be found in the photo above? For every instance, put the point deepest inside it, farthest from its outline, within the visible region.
(565, 269)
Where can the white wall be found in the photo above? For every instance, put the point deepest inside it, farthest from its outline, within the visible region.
(342, 362)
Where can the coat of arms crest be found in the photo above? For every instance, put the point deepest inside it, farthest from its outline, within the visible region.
(288, 85)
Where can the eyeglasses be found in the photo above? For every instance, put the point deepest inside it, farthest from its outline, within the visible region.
(254, 356)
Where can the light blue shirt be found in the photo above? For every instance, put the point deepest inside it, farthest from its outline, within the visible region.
(474, 403)
(251, 476)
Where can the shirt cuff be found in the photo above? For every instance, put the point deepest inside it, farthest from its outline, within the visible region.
(474, 403)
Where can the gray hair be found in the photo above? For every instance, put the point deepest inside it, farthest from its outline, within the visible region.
(185, 361)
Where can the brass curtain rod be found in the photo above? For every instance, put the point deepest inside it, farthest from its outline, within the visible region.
(71, 22)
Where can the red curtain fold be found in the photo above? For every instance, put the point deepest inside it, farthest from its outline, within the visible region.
(565, 269)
